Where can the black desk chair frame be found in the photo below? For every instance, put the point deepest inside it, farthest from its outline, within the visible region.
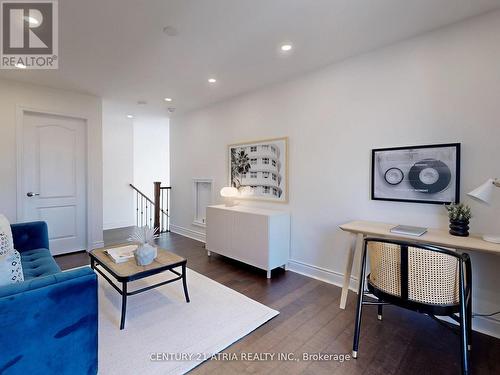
(463, 307)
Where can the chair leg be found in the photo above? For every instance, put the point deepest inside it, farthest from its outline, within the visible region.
(359, 307)
(379, 312)
(464, 329)
(468, 275)
(469, 325)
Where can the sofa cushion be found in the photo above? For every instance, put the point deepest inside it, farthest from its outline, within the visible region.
(5, 245)
(37, 263)
(5, 228)
(11, 271)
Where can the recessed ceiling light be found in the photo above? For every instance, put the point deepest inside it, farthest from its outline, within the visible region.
(212, 80)
(130, 116)
(20, 66)
(286, 47)
(168, 99)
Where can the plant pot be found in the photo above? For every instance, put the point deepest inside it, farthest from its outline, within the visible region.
(145, 254)
(459, 228)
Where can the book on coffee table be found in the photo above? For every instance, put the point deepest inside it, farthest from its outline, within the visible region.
(121, 254)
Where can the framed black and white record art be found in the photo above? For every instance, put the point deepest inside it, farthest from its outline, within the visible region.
(421, 174)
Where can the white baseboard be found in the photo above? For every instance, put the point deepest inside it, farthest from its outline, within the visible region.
(118, 224)
(322, 274)
(486, 325)
(97, 245)
(193, 234)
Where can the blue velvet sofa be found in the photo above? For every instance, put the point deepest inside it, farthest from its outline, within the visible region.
(48, 323)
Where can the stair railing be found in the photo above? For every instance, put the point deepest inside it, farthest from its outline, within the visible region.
(153, 213)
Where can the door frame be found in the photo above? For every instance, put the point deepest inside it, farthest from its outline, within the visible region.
(20, 188)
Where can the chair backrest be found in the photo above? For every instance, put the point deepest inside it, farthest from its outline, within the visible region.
(420, 273)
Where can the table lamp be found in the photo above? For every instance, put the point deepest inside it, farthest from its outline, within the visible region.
(484, 194)
(229, 193)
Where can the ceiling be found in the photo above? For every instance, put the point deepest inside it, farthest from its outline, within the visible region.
(117, 49)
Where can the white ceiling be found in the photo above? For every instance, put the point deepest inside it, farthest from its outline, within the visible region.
(117, 49)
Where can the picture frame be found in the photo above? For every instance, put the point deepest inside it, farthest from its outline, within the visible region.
(419, 174)
(259, 169)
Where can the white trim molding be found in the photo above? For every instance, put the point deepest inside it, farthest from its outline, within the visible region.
(486, 325)
(97, 245)
(322, 274)
(193, 234)
(118, 224)
(196, 181)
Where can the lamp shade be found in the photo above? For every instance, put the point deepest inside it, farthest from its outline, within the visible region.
(484, 192)
(228, 192)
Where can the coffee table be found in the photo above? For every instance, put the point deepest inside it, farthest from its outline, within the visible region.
(129, 271)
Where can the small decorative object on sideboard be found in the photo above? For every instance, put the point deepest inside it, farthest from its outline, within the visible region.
(460, 216)
(229, 193)
(146, 252)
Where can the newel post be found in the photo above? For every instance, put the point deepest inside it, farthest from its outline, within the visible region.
(157, 204)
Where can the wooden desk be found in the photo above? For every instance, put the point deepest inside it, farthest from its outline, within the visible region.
(440, 237)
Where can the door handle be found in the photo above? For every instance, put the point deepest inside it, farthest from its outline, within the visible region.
(31, 194)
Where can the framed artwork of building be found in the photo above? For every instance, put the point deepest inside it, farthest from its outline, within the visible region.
(259, 169)
(421, 174)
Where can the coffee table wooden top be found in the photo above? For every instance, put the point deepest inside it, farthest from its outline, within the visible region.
(164, 260)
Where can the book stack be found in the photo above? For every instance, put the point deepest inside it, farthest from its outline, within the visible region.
(121, 254)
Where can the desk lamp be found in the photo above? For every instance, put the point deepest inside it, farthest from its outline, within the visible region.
(484, 194)
(229, 193)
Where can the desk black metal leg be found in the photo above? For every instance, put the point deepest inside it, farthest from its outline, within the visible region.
(124, 304)
(184, 282)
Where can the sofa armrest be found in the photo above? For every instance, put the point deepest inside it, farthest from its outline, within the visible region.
(29, 236)
(49, 325)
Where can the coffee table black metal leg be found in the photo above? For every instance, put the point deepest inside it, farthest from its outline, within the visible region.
(184, 282)
(124, 304)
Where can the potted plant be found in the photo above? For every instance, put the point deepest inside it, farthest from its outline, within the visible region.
(145, 252)
(460, 216)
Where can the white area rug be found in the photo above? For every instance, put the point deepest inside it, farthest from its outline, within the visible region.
(160, 321)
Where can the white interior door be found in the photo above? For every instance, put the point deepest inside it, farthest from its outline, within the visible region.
(54, 178)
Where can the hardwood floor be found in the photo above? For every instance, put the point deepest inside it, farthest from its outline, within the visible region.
(311, 321)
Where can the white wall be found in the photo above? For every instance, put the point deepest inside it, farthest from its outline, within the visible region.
(441, 87)
(151, 153)
(118, 166)
(134, 151)
(14, 95)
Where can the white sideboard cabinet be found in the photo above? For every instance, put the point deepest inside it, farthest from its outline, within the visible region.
(256, 236)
